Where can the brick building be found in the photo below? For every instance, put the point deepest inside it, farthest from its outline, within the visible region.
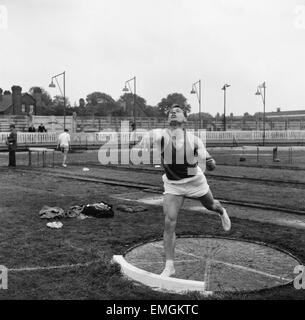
(18, 103)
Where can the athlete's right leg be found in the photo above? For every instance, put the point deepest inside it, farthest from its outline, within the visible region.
(171, 206)
(65, 153)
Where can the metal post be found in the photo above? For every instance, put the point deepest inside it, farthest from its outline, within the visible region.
(200, 118)
(134, 102)
(198, 94)
(224, 88)
(264, 119)
(64, 99)
(224, 109)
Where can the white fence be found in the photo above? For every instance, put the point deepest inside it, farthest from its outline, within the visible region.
(25, 138)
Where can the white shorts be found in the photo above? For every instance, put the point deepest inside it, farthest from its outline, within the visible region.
(193, 187)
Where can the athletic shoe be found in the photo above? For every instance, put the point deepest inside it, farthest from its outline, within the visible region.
(168, 272)
(64, 165)
(225, 220)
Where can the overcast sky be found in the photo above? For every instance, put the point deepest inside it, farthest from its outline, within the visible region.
(167, 44)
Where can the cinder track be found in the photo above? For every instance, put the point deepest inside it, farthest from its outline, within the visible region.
(274, 182)
(154, 188)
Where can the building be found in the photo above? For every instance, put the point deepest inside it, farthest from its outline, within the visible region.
(18, 103)
(284, 120)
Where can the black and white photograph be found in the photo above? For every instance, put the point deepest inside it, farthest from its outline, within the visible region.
(152, 153)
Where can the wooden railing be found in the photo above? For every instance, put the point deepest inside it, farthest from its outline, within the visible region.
(50, 138)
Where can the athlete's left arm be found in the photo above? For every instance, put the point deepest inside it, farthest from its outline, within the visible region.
(204, 156)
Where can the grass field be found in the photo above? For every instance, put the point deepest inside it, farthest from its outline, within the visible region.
(27, 243)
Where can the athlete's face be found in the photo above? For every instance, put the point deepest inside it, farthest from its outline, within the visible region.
(176, 114)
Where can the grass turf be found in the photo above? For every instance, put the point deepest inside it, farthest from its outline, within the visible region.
(27, 242)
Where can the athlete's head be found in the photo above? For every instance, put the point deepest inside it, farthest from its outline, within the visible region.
(176, 114)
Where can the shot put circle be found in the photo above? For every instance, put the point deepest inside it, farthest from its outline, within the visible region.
(210, 265)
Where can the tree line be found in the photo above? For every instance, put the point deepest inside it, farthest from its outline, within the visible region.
(101, 104)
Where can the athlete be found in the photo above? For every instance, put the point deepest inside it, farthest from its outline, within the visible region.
(180, 152)
(63, 144)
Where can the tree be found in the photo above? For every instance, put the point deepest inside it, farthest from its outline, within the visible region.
(100, 104)
(204, 115)
(174, 98)
(152, 112)
(43, 100)
(126, 101)
(45, 96)
(58, 106)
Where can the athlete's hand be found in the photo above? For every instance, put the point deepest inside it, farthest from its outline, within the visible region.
(210, 164)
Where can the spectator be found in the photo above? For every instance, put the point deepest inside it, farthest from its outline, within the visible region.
(42, 128)
(32, 128)
(11, 142)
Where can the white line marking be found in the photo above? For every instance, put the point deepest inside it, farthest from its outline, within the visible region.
(63, 266)
(206, 276)
(252, 270)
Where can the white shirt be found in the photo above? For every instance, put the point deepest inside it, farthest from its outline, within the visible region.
(64, 139)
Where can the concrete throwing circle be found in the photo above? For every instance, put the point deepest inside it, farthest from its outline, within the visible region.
(210, 264)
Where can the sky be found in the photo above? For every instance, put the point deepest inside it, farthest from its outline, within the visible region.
(166, 44)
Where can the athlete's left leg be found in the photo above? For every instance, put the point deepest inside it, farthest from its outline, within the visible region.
(211, 204)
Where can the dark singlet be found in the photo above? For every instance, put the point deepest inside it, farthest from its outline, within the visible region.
(174, 170)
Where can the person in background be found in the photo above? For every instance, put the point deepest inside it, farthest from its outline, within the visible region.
(11, 142)
(64, 144)
(32, 128)
(42, 128)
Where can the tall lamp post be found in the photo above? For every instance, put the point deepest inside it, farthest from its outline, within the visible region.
(262, 93)
(125, 89)
(52, 85)
(224, 88)
(198, 93)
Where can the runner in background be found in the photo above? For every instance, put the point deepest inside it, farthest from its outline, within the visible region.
(64, 145)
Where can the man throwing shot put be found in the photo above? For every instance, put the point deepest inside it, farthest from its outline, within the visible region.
(180, 152)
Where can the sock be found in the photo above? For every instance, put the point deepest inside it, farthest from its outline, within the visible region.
(169, 264)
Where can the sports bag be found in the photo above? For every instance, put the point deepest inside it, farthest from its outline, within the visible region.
(98, 210)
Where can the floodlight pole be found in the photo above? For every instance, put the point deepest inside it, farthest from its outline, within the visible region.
(261, 93)
(224, 88)
(198, 93)
(134, 96)
(64, 89)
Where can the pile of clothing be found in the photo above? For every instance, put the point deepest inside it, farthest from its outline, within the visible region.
(96, 210)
